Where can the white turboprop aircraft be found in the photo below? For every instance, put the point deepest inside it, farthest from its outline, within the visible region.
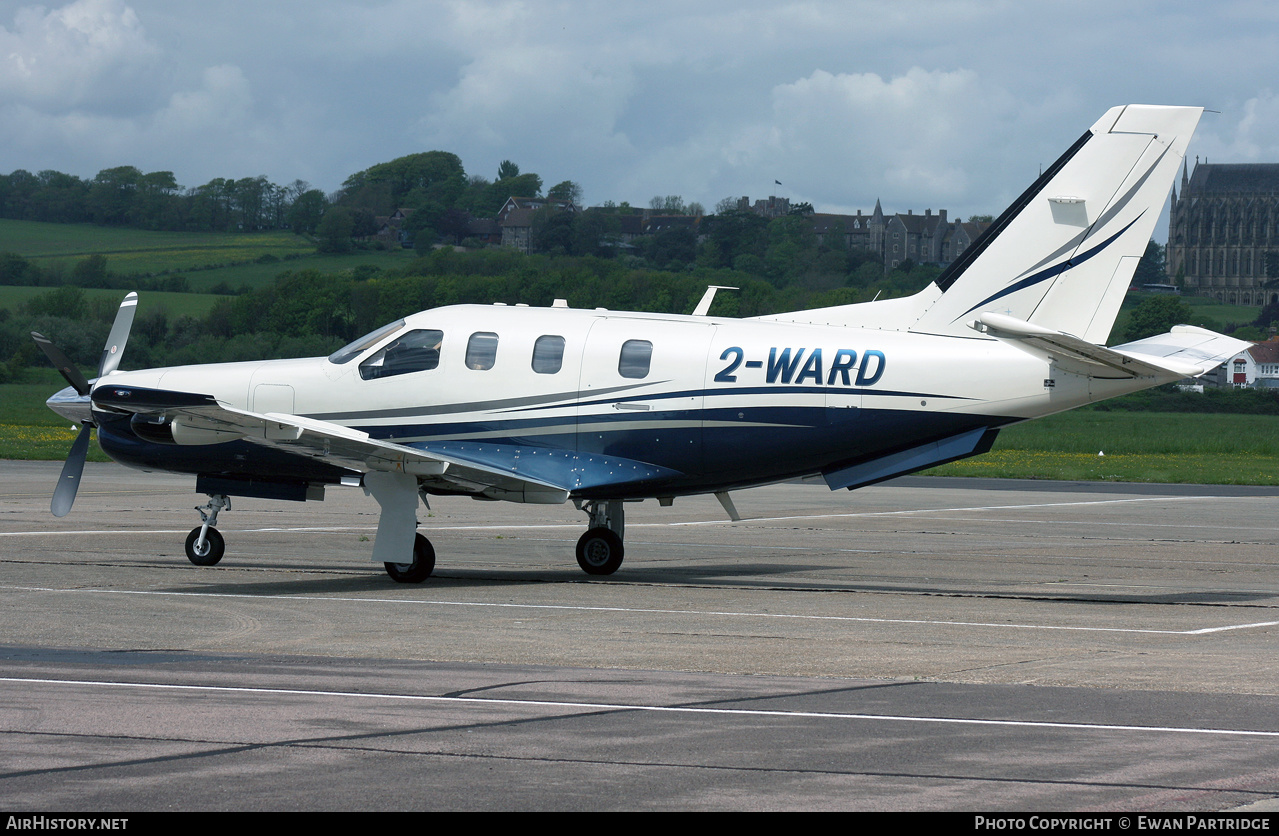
(602, 407)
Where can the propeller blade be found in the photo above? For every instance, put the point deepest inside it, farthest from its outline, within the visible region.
(62, 363)
(69, 481)
(119, 336)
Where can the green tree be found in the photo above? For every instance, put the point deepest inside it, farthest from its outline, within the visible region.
(671, 204)
(112, 194)
(66, 301)
(732, 235)
(552, 231)
(90, 272)
(597, 233)
(507, 170)
(1151, 269)
(1156, 315)
(334, 230)
(567, 190)
(307, 210)
(59, 198)
(411, 181)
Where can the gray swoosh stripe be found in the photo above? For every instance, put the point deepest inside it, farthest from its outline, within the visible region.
(474, 406)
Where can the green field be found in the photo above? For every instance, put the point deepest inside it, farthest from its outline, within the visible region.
(206, 259)
(1134, 447)
(1220, 311)
(255, 275)
(139, 252)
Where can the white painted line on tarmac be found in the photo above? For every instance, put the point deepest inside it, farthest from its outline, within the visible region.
(648, 611)
(955, 510)
(664, 709)
(716, 521)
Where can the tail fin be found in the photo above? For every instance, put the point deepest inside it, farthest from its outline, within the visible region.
(1062, 256)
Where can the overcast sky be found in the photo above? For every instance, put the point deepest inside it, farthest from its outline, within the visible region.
(935, 105)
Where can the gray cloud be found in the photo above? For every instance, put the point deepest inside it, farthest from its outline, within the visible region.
(921, 104)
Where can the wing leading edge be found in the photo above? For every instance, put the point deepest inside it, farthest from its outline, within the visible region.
(201, 419)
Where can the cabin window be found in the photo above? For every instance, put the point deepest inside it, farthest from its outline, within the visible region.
(481, 350)
(416, 351)
(349, 352)
(548, 354)
(635, 359)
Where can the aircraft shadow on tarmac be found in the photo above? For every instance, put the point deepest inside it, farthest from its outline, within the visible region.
(751, 576)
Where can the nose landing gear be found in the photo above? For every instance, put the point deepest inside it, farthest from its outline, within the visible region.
(205, 545)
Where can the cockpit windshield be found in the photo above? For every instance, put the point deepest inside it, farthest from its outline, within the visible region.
(416, 351)
(349, 352)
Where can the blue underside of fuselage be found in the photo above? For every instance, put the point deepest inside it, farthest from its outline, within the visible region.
(629, 455)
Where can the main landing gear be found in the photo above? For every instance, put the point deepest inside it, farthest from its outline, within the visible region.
(205, 545)
(422, 566)
(600, 550)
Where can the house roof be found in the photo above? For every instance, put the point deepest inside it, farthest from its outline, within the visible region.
(518, 217)
(1267, 352)
(918, 224)
(662, 223)
(825, 223)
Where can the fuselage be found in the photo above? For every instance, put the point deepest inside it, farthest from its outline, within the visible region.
(622, 404)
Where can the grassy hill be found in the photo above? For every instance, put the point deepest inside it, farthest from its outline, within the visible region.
(206, 259)
(143, 252)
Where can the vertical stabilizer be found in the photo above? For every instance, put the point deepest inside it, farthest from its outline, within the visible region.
(1063, 255)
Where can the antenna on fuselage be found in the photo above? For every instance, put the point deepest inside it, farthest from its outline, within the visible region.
(709, 296)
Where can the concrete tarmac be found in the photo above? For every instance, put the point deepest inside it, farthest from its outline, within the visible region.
(944, 644)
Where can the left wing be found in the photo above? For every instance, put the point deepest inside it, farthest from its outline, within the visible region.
(202, 419)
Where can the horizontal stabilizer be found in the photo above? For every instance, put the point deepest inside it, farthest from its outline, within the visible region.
(1184, 352)
(1187, 344)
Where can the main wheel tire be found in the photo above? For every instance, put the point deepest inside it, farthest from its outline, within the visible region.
(214, 547)
(422, 566)
(599, 552)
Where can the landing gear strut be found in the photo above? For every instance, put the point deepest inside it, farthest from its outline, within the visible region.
(205, 545)
(600, 550)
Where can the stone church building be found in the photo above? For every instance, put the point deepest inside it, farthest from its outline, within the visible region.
(1221, 227)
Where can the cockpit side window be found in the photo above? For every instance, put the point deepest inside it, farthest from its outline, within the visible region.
(635, 358)
(548, 354)
(416, 351)
(349, 352)
(481, 350)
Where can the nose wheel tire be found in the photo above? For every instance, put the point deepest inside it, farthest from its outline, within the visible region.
(211, 553)
(422, 566)
(599, 552)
